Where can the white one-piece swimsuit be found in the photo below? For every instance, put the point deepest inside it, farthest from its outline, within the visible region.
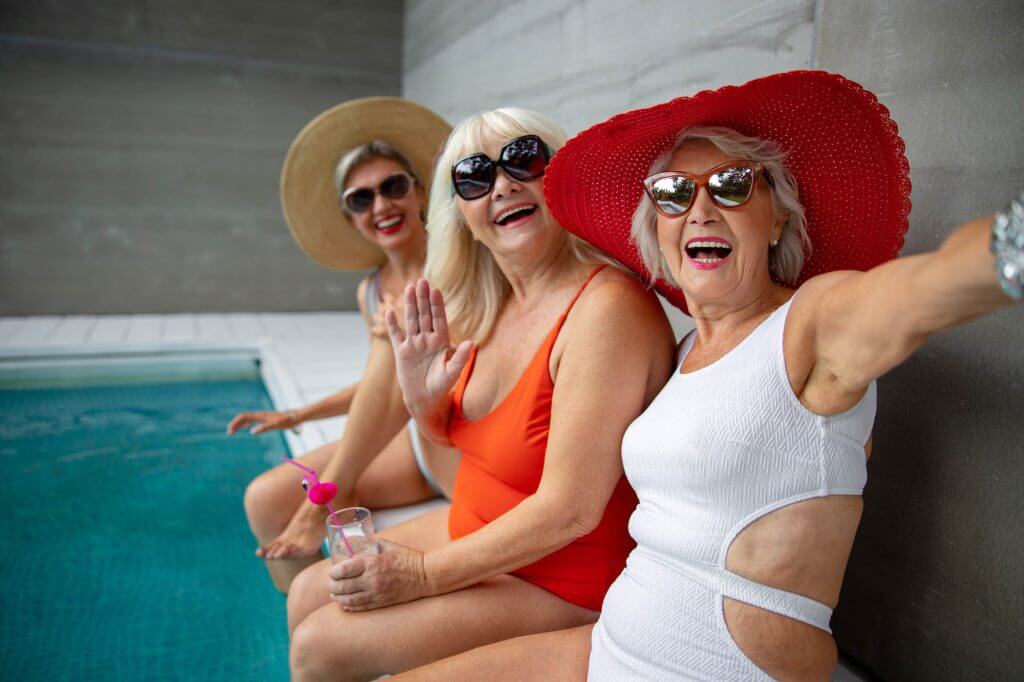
(717, 449)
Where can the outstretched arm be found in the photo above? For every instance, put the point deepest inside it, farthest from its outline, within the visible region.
(861, 325)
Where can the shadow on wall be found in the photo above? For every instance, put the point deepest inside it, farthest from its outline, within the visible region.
(934, 575)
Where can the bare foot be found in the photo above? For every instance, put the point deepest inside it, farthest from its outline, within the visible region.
(303, 536)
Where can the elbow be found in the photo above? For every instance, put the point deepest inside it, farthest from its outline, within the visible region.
(584, 522)
(567, 517)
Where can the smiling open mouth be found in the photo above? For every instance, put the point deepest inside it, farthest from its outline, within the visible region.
(709, 251)
(515, 214)
(389, 225)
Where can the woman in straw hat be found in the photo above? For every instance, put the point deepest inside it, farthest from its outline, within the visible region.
(353, 189)
(537, 526)
(749, 466)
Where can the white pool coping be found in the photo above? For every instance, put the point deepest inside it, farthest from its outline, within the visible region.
(303, 357)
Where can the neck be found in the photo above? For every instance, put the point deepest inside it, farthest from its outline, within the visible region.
(531, 279)
(718, 320)
(407, 260)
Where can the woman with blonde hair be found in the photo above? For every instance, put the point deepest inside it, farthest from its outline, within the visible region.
(354, 190)
(537, 395)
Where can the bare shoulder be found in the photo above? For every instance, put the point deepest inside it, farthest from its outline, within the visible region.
(813, 316)
(619, 294)
(815, 296)
(616, 306)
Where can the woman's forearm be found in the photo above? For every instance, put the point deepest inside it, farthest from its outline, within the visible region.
(376, 416)
(533, 529)
(959, 282)
(334, 405)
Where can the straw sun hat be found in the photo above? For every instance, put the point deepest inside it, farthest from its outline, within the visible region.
(843, 149)
(308, 198)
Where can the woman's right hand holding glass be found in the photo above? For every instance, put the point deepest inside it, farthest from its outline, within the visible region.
(427, 364)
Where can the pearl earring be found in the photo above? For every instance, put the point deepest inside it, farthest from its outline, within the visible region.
(774, 242)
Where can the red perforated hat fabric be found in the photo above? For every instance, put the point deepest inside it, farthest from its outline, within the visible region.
(843, 148)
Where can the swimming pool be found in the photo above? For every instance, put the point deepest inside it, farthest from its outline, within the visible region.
(124, 549)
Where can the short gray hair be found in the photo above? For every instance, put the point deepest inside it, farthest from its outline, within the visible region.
(786, 260)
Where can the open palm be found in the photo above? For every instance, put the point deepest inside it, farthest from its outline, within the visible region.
(428, 366)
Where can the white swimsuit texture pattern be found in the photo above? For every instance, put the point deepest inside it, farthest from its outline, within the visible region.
(717, 449)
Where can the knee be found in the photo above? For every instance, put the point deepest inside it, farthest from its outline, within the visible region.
(307, 652)
(315, 655)
(306, 594)
(260, 508)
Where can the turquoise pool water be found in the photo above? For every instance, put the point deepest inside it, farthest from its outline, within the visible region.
(124, 550)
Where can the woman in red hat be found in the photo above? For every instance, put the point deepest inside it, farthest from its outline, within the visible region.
(755, 207)
(536, 531)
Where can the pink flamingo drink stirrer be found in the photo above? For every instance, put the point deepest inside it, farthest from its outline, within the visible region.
(321, 494)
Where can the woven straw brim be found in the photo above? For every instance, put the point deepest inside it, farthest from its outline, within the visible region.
(308, 199)
(843, 149)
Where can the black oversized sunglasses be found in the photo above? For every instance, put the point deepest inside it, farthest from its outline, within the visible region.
(360, 199)
(524, 159)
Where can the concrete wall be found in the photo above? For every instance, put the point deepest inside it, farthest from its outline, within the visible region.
(581, 62)
(934, 586)
(141, 142)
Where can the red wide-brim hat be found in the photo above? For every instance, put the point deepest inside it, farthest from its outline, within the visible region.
(845, 152)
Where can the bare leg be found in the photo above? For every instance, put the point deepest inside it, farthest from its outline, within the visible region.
(270, 502)
(330, 643)
(392, 479)
(559, 655)
(309, 593)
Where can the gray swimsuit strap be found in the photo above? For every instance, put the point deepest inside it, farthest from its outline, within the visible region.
(373, 294)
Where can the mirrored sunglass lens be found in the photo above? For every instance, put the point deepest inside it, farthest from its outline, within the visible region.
(395, 186)
(524, 159)
(473, 177)
(359, 201)
(673, 195)
(731, 187)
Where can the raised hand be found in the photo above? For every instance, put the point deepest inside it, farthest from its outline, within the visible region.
(427, 364)
(264, 421)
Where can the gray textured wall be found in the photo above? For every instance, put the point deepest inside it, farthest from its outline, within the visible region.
(141, 142)
(934, 587)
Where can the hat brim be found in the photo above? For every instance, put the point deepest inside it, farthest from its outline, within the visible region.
(308, 198)
(842, 147)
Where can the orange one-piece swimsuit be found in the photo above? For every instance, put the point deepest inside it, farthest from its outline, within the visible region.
(502, 460)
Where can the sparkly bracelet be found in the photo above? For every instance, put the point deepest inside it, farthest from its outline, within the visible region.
(295, 421)
(1008, 247)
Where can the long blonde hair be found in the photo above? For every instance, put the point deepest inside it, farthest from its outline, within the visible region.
(463, 269)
